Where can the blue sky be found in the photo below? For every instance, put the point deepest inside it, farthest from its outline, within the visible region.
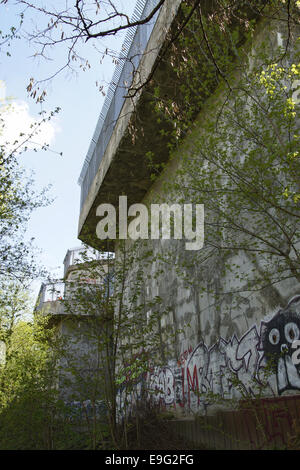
(55, 227)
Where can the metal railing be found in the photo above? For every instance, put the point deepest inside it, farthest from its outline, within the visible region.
(132, 50)
(81, 255)
(52, 292)
(59, 290)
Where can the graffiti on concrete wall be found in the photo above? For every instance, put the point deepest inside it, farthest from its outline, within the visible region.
(203, 371)
(276, 341)
(85, 410)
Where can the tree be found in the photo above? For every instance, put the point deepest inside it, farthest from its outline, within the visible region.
(243, 166)
(243, 163)
(15, 303)
(28, 378)
(18, 199)
(72, 28)
(120, 340)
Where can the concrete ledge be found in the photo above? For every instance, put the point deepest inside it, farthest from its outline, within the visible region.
(157, 38)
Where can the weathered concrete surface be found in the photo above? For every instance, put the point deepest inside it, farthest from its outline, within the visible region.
(220, 340)
(54, 307)
(266, 425)
(217, 340)
(80, 365)
(81, 369)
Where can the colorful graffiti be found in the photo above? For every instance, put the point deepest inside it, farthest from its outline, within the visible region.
(202, 372)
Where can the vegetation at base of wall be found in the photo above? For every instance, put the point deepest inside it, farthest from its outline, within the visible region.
(123, 335)
(157, 433)
(28, 400)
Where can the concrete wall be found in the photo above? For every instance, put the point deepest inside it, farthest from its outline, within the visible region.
(269, 424)
(80, 365)
(80, 334)
(219, 339)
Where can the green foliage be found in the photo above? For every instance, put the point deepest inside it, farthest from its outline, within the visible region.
(115, 328)
(15, 303)
(33, 414)
(235, 135)
(29, 405)
(18, 199)
(204, 56)
(241, 160)
(244, 168)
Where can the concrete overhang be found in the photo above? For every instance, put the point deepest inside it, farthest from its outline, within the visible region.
(123, 169)
(56, 312)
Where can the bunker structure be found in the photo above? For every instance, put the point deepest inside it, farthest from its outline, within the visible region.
(218, 354)
(77, 326)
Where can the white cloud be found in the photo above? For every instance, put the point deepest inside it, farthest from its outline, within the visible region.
(18, 125)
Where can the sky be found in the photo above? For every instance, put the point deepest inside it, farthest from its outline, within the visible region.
(54, 227)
